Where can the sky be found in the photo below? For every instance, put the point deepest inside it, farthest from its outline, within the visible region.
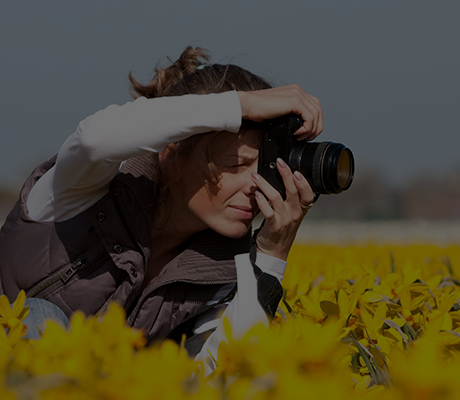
(386, 72)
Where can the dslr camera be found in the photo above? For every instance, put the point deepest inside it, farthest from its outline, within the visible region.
(327, 166)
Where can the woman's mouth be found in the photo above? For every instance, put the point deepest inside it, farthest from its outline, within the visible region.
(244, 212)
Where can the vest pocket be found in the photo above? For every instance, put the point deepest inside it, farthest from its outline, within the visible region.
(63, 277)
(81, 284)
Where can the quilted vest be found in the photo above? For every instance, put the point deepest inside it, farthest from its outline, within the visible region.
(101, 255)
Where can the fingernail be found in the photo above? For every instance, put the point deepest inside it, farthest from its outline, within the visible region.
(258, 195)
(281, 163)
(255, 176)
(298, 175)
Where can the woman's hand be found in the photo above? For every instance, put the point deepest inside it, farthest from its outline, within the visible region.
(282, 217)
(272, 103)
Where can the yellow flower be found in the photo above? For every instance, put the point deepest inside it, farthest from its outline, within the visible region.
(424, 374)
(11, 317)
(373, 327)
(393, 313)
(310, 305)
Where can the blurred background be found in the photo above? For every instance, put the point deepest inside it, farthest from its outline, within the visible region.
(387, 75)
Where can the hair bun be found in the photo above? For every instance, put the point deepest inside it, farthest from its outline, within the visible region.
(188, 62)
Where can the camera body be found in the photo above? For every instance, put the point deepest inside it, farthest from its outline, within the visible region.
(328, 166)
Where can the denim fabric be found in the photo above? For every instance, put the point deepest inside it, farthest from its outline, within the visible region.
(39, 312)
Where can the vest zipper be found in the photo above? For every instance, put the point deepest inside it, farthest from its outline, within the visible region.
(64, 276)
(74, 267)
(132, 317)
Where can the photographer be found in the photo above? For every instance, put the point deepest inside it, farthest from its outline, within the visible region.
(150, 205)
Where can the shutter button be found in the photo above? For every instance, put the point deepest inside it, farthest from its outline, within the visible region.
(134, 272)
(100, 216)
(117, 248)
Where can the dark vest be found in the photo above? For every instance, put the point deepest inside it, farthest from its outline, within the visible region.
(101, 255)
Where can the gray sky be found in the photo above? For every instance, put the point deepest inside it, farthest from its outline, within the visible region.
(386, 72)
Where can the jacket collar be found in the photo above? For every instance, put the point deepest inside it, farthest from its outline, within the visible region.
(208, 259)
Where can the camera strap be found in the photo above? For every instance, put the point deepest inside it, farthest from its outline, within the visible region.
(269, 289)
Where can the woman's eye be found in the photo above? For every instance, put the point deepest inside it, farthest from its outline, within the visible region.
(232, 165)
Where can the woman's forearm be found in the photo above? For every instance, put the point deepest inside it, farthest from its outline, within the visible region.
(90, 158)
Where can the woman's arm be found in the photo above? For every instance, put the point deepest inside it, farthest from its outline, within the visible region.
(90, 158)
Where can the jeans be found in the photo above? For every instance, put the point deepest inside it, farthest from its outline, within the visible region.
(39, 312)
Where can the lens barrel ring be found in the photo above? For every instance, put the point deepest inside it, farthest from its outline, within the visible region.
(328, 166)
(318, 165)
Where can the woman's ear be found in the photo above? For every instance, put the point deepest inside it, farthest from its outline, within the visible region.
(169, 162)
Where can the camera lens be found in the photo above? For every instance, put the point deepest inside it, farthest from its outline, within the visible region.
(344, 166)
(327, 166)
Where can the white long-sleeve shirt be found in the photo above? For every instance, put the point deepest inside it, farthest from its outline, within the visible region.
(91, 157)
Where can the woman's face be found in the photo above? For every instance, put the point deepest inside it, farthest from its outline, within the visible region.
(229, 206)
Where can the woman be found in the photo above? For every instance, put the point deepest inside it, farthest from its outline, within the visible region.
(150, 205)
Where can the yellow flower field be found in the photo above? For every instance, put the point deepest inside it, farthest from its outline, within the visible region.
(370, 322)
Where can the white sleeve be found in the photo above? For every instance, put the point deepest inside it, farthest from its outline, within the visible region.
(90, 158)
(243, 312)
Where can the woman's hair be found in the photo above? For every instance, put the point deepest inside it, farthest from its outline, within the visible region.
(192, 74)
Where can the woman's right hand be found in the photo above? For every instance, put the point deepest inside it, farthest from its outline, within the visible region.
(271, 103)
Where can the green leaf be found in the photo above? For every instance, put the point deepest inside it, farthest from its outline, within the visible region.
(288, 307)
(378, 351)
(329, 308)
(409, 331)
(366, 356)
(446, 261)
(392, 262)
(395, 326)
(348, 319)
(280, 311)
(355, 363)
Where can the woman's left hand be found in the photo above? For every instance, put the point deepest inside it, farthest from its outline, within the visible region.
(282, 217)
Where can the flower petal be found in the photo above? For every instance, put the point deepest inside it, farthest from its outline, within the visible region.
(5, 308)
(18, 304)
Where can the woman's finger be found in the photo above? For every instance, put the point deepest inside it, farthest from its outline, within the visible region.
(271, 103)
(264, 206)
(298, 190)
(271, 194)
(306, 195)
(286, 175)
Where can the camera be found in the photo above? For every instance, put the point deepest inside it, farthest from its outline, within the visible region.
(327, 166)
